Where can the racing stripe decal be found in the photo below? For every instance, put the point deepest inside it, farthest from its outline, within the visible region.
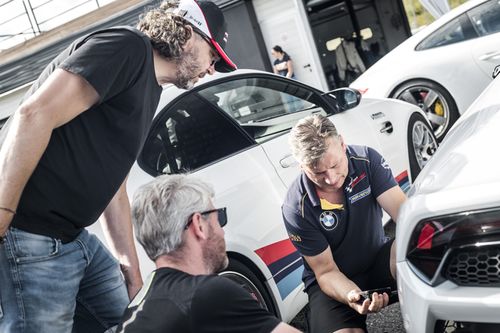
(291, 280)
(276, 251)
(403, 181)
(278, 266)
(284, 263)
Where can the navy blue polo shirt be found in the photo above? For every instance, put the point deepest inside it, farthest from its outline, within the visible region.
(353, 229)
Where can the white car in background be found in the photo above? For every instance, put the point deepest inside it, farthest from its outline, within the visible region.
(232, 131)
(448, 233)
(443, 67)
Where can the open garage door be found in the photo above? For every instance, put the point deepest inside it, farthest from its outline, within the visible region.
(351, 35)
(284, 23)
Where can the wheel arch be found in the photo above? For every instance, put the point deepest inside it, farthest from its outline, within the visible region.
(247, 262)
(417, 79)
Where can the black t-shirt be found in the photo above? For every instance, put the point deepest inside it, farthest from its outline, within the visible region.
(88, 158)
(174, 301)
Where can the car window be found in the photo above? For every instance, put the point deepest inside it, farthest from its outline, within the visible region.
(455, 31)
(485, 18)
(2, 122)
(189, 135)
(264, 107)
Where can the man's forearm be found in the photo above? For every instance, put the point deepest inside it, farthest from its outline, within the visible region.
(21, 151)
(336, 285)
(117, 227)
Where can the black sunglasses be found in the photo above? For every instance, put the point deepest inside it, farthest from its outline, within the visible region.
(221, 216)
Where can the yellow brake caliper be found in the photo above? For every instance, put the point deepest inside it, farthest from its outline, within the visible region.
(438, 108)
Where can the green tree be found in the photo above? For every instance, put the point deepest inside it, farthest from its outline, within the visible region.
(418, 16)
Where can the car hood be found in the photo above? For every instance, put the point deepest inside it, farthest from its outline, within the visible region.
(467, 157)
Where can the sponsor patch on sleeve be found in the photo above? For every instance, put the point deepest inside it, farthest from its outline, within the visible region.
(384, 164)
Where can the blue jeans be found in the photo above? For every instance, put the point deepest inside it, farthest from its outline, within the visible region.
(48, 286)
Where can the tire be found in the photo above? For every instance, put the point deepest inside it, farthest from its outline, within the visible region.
(434, 100)
(422, 143)
(242, 275)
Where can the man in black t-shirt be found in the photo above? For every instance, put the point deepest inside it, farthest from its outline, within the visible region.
(65, 155)
(181, 231)
(333, 215)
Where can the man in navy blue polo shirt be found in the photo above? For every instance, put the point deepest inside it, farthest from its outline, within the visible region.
(333, 215)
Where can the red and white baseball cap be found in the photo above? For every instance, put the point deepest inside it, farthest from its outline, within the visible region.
(207, 17)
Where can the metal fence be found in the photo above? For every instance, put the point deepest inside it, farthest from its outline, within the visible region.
(26, 69)
(21, 20)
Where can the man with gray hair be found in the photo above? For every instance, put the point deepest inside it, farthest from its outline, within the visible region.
(181, 231)
(333, 216)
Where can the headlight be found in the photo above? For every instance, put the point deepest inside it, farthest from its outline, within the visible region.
(437, 242)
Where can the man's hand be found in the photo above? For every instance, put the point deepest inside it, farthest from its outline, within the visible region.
(5, 219)
(377, 303)
(132, 280)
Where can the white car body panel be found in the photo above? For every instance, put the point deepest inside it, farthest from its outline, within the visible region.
(461, 177)
(457, 67)
(422, 306)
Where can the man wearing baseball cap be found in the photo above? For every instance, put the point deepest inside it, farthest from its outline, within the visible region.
(64, 158)
(208, 21)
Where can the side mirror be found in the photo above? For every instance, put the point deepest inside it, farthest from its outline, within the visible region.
(346, 98)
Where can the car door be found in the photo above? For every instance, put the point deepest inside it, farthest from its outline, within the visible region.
(199, 134)
(486, 48)
(267, 107)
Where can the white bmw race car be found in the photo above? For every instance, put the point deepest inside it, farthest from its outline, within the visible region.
(232, 130)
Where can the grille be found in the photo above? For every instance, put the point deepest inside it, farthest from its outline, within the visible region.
(475, 267)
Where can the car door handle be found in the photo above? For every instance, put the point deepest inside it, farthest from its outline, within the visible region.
(288, 161)
(387, 128)
(490, 55)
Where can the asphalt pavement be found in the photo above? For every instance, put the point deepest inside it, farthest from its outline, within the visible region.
(386, 321)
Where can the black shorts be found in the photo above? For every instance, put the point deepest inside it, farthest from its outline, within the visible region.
(328, 315)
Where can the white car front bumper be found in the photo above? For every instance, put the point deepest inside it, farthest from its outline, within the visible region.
(422, 305)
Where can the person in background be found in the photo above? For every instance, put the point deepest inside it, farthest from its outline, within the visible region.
(64, 159)
(182, 232)
(283, 63)
(283, 66)
(333, 215)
